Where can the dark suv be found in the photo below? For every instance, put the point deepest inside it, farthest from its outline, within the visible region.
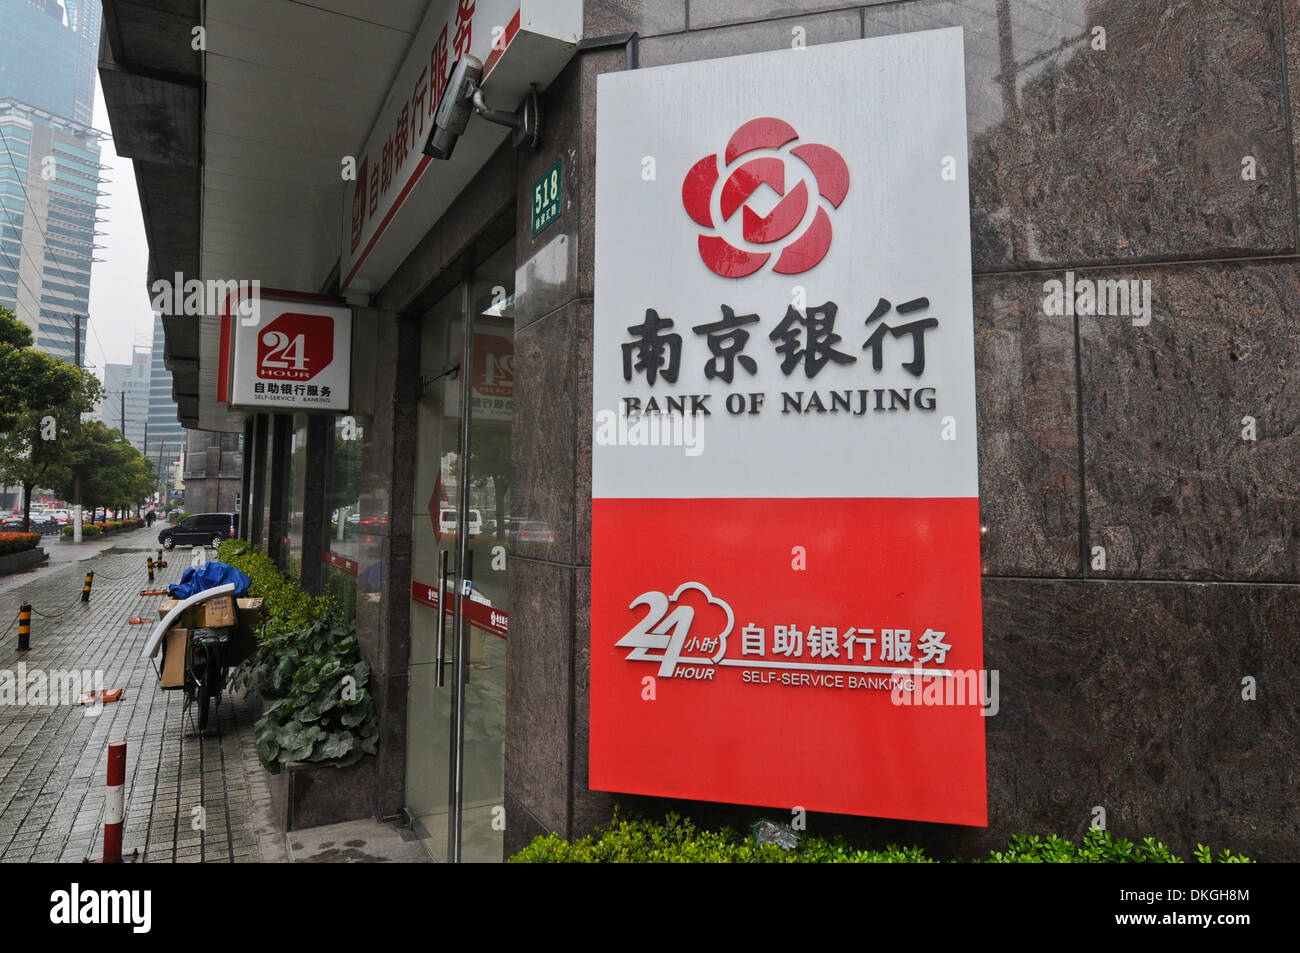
(200, 529)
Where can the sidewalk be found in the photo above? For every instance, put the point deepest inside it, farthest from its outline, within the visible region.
(188, 798)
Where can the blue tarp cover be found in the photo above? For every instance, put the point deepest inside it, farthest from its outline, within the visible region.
(209, 576)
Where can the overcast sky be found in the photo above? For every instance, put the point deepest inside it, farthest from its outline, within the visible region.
(119, 297)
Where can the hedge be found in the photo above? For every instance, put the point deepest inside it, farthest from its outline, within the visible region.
(18, 542)
(111, 526)
(286, 607)
(87, 529)
(677, 840)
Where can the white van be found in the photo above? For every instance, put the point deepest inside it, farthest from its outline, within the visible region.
(447, 522)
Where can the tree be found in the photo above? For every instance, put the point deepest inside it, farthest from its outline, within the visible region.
(14, 336)
(41, 403)
(113, 472)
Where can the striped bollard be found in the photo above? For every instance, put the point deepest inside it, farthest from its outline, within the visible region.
(115, 802)
(149, 559)
(85, 589)
(24, 627)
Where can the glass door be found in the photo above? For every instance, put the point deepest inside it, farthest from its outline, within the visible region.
(459, 595)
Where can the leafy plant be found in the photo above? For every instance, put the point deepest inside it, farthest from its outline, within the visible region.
(327, 712)
(677, 840)
(308, 659)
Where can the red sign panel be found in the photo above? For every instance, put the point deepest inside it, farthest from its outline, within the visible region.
(295, 347)
(761, 674)
(339, 562)
(478, 614)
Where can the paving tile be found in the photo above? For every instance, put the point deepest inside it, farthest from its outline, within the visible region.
(53, 759)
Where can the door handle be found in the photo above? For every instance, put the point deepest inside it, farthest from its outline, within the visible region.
(467, 584)
(440, 679)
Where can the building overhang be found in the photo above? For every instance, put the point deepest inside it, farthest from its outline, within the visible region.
(240, 147)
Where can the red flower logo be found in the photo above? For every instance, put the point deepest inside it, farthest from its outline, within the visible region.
(799, 252)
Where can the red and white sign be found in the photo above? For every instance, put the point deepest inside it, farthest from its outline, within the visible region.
(785, 516)
(492, 383)
(297, 355)
(339, 562)
(479, 613)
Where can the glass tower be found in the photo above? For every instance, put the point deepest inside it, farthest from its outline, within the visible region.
(49, 166)
(165, 431)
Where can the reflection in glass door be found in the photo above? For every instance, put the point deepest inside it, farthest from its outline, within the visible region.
(459, 598)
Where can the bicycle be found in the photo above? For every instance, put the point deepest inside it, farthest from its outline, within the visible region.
(208, 670)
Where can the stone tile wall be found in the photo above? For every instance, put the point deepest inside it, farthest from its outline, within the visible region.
(1136, 140)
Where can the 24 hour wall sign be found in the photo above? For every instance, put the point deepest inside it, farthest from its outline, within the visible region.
(292, 355)
(785, 516)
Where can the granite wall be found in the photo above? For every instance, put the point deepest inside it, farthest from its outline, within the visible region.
(1142, 535)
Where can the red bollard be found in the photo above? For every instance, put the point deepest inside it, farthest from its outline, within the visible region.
(115, 803)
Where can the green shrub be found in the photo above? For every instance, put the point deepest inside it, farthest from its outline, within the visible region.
(677, 840)
(87, 529)
(286, 607)
(18, 542)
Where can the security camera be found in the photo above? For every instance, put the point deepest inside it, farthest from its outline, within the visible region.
(455, 108)
(463, 97)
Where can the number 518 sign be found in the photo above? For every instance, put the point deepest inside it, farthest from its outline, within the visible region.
(546, 198)
(297, 356)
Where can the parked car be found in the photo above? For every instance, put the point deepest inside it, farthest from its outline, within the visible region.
(63, 516)
(530, 531)
(200, 529)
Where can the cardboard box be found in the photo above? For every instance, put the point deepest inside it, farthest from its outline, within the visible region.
(217, 613)
(176, 651)
(243, 641)
(250, 613)
(213, 614)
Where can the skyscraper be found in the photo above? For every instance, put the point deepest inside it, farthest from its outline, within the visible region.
(126, 395)
(48, 51)
(165, 431)
(49, 165)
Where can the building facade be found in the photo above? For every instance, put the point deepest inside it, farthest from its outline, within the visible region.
(49, 166)
(213, 472)
(126, 396)
(165, 438)
(49, 195)
(1138, 570)
(48, 54)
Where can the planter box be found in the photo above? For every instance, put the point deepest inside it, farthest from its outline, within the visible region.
(21, 562)
(309, 795)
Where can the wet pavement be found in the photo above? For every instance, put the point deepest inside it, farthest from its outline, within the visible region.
(188, 797)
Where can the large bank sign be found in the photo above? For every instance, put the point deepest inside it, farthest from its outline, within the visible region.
(785, 514)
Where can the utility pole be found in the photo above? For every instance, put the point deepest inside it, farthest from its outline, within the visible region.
(162, 484)
(122, 395)
(76, 503)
